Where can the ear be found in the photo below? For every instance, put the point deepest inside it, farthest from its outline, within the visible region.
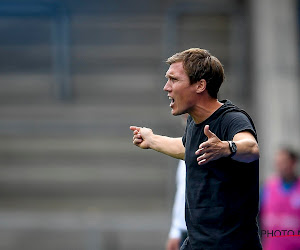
(201, 86)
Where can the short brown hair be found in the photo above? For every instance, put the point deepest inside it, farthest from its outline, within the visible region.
(200, 64)
(292, 153)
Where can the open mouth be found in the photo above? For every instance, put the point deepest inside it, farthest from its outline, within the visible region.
(172, 101)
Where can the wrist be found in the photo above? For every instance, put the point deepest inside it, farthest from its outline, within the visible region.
(152, 139)
(232, 148)
(226, 149)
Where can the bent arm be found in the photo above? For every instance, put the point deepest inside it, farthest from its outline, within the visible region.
(214, 148)
(247, 147)
(145, 139)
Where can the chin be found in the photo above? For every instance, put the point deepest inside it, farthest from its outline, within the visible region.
(174, 113)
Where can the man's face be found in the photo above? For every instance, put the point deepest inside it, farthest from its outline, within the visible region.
(180, 91)
(285, 165)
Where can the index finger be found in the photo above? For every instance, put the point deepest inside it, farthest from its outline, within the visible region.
(133, 128)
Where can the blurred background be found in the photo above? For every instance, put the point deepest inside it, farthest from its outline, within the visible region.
(76, 74)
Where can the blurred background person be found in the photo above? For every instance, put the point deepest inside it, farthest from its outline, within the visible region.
(178, 231)
(280, 204)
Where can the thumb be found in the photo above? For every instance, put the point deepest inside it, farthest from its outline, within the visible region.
(207, 132)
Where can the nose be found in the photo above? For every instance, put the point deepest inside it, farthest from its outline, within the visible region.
(167, 86)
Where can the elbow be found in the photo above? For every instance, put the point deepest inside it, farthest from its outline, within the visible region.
(180, 156)
(254, 153)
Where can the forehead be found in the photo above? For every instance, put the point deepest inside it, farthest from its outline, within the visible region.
(176, 69)
(282, 155)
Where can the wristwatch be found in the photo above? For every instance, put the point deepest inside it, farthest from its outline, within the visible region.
(232, 147)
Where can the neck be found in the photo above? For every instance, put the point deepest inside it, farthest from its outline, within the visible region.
(204, 109)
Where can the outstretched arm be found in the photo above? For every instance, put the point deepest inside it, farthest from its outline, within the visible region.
(145, 139)
(214, 148)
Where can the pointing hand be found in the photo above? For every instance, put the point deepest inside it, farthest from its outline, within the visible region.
(141, 136)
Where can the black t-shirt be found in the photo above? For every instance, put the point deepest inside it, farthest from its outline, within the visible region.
(222, 195)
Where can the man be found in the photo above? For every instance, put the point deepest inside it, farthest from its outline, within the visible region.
(280, 204)
(221, 153)
(178, 231)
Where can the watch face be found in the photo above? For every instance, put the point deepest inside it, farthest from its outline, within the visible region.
(233, 150)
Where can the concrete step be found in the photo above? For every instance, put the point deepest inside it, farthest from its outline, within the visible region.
(112, 204)
(130, 30)
(26, 88)
(83, 230)
(68, 128)
(102, 181)
(37, 166)
(39, 58)
(105, 88)
(82, 112)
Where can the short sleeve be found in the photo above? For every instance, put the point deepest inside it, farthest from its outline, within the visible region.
(236, 122)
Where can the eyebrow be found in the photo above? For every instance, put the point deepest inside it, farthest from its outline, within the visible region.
(170, 76)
